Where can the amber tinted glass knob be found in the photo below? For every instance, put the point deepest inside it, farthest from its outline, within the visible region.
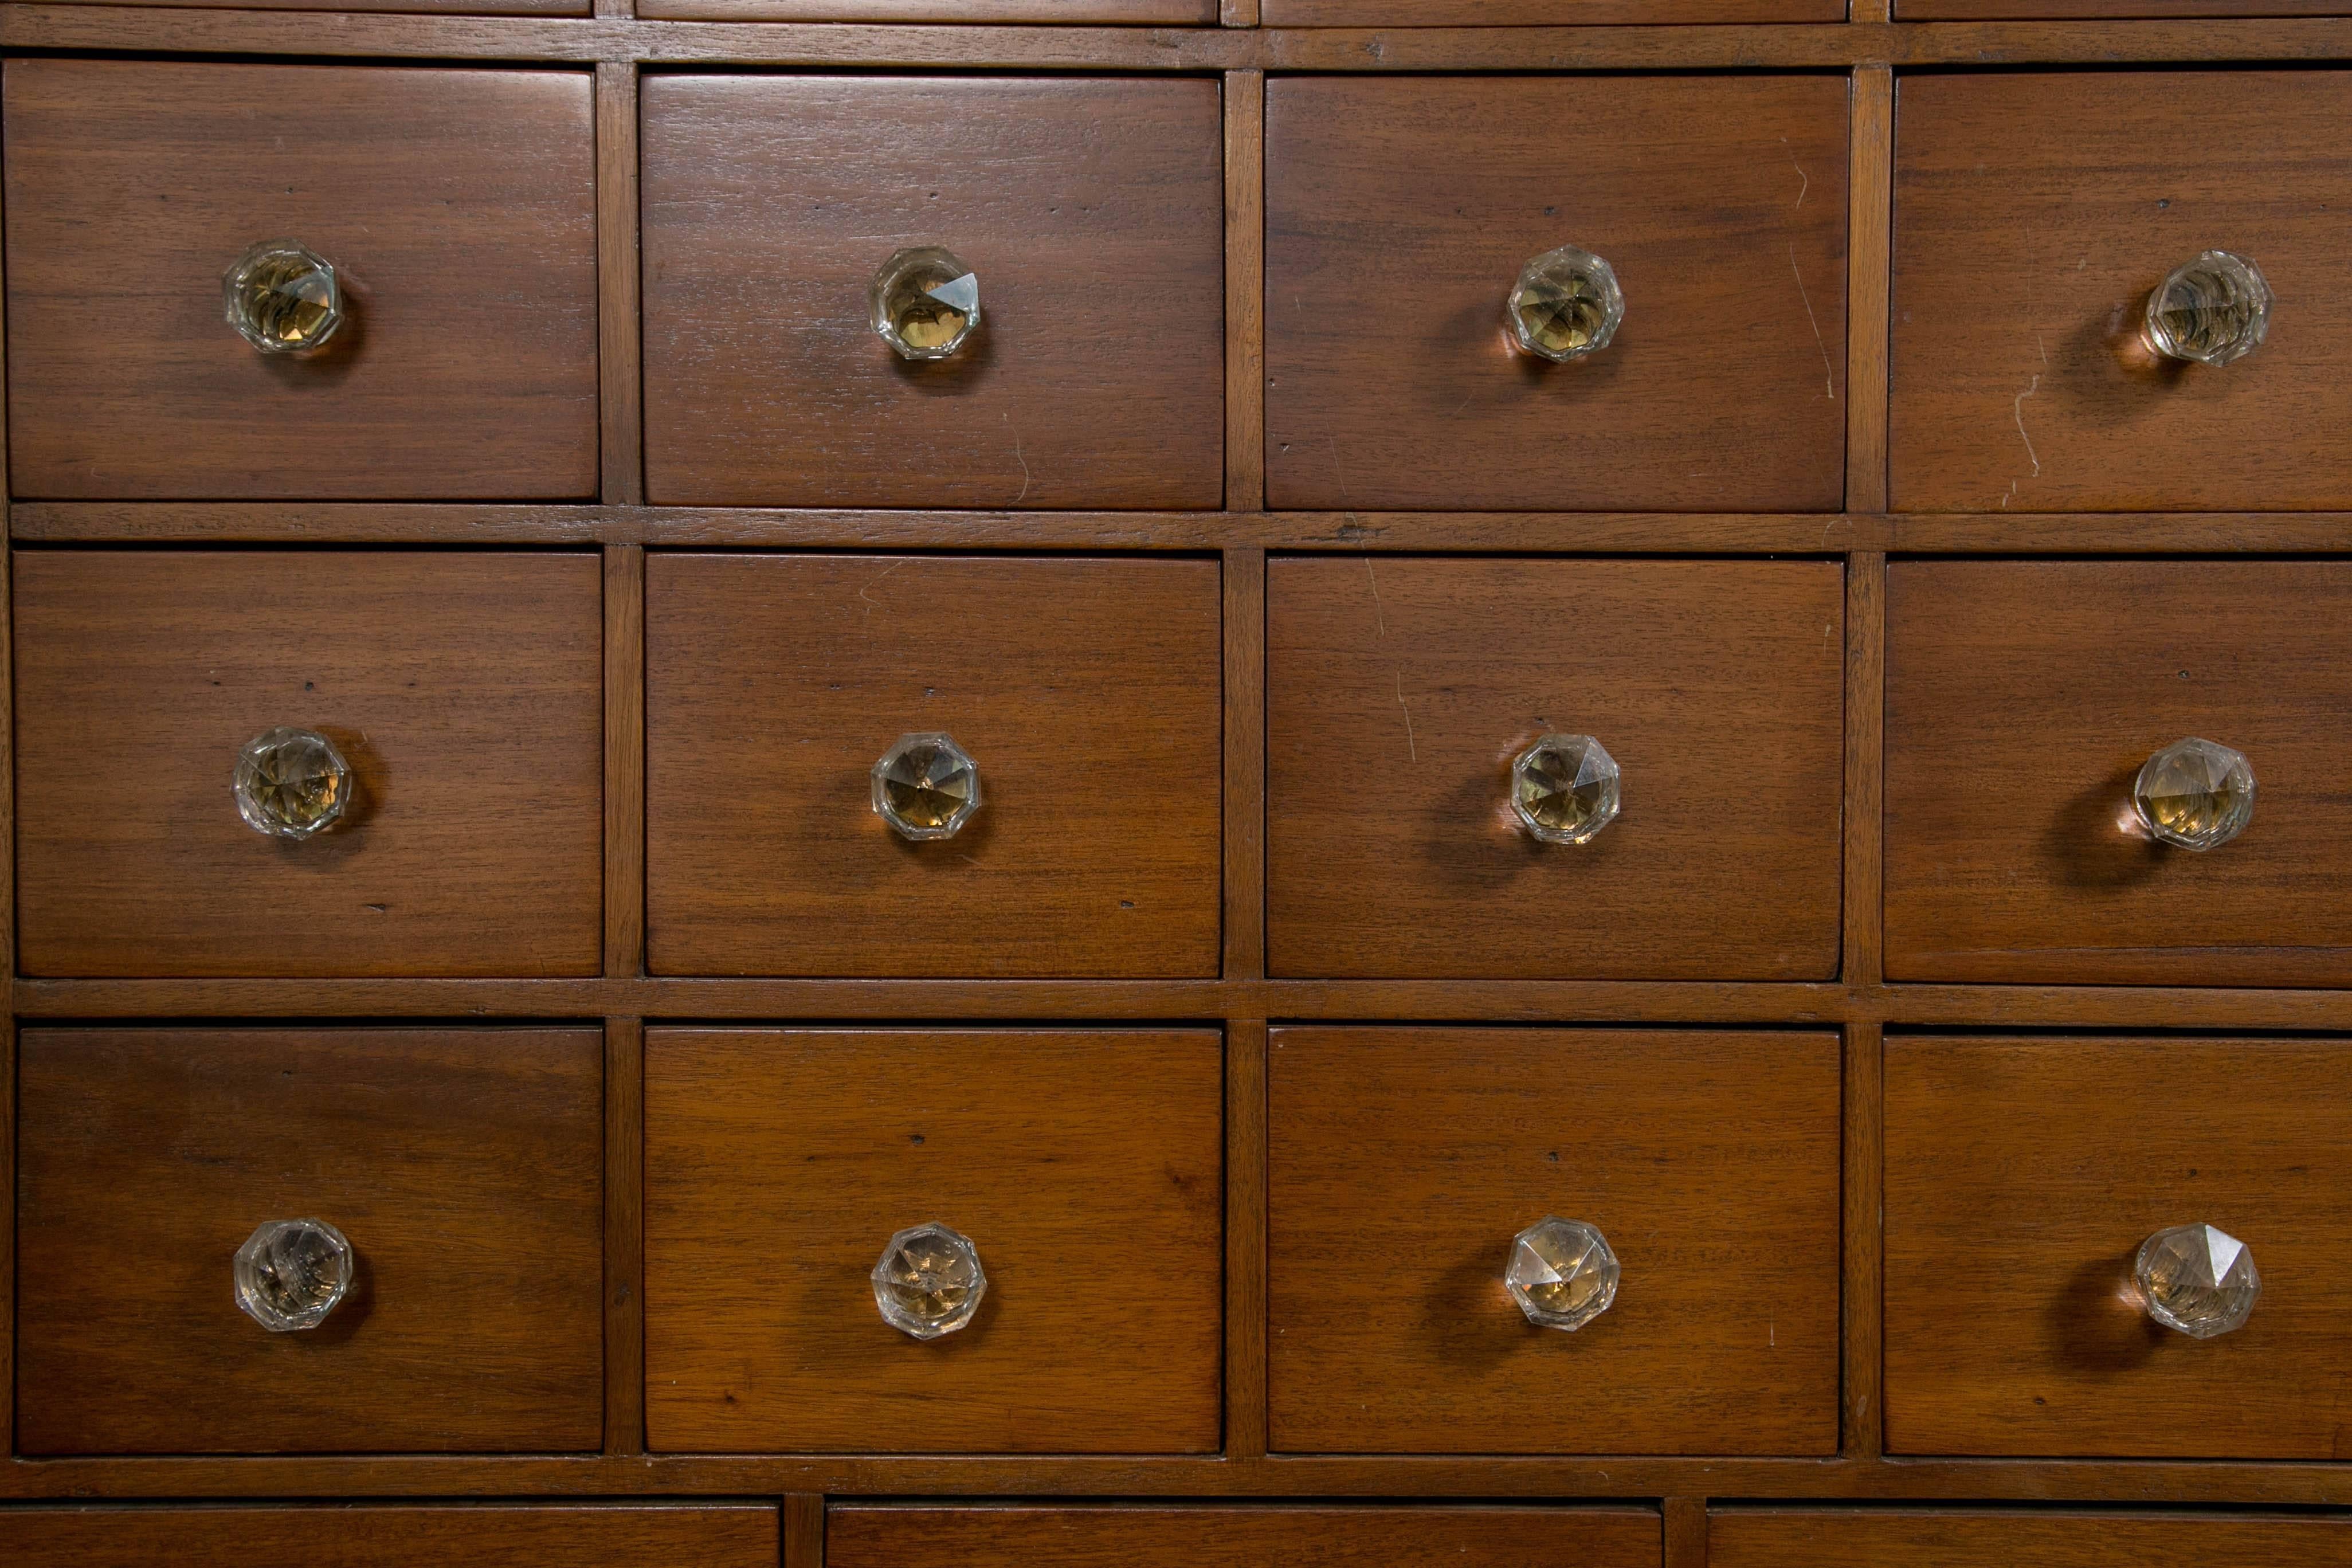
(929, 1281)
(291, 783)
(2195, 794)
(1566, 305)
(283, 297)
(1565, 789)
(1561, 1273)
(291, 1273)
(2211, 309)
(925, 302)
(925, 786)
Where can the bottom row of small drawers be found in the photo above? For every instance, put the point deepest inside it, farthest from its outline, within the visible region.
(1086, 1166)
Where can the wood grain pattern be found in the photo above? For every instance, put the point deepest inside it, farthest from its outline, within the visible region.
(1399, 214)
(2021, 700)
(1715, 686)
(1245, 106)
(459, 206)
(1543, 13)
(620, 381)
(1685, 1532)
(1245, 1193)
(1090, 210)
(464, 690)
(1085, 690)
(624, 1235)
(2052, 1161)
(712, 1535)
(624, 760)
(2106, 10)
(804, 1514)
(1243, 581)
(1904, 1538)
(462, 1163)
(1122, 13)
(2025, 385)
(1084, 1165)
(1870, 220)
(1862, 1248)
(1863, 961)
(448, 7)
(1707, 1159)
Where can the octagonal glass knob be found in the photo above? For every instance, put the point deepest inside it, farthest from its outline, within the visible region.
(283, 297)
(1562, 1273)
(2211, 309)
(2197, 1279)
(925, 302)
(2196, 794)
(929, 1281)
(291, 1273)
(291, 783)
(925, 786)
(1566, 305)
(1565, 788)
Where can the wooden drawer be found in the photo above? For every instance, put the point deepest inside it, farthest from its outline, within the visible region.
(1400, 691)
(465, 690)
(1083, 1164)
(464, 1166)
(1088, 692)
(2023, 1176)
(1092, 212)
(378, 1535)
(1834, 1538)
(1399, 214)
(1539, 13)
(1023, 1536)
(458, 207)
(1708, 1160)
(2022, 699)
(2033, 215)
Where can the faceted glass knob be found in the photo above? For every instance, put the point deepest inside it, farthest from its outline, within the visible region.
(283, 297)
(291, 783)
(2212, 309)
(929, 1281)
(2197, 1279)
(2196, 794)
(925, 302)
(1566, 305)
(291, 1273)
(1561, 1273)
(1564, 789)
(925, 786)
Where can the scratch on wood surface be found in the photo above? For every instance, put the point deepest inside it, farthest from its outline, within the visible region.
(1829, 375)
(1020, 460)
(2017, 412)
(1410, 750)
(872, 604)
(1380, 621)
(1804, 181)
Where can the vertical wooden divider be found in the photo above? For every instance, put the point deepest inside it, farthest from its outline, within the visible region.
(625, 761)
(1245, 738)
(1863, 1425)
(1245, 289)
(1865, 742)
(618, 344)
(804, 1530)
(1869, 217)
(1685, 1532)
(624, 1185)
(1246, 1201)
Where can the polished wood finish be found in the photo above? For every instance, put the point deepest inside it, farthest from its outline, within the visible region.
(463, 689)
(1245, 1257)
(2107, 10)
(1419, 1154)
(1125, 13)
(1244, 100)
(624, 1235)
(1761, 1538)
(458, 206)
(462, 1163)
(711, 1535)
(621, 402)
(1090, 210)
(1542, 13)
(1870, 213)
(1399, 214)
(1083, 1164)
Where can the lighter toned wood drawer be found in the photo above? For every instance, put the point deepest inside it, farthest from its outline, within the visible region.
(1909, 1538)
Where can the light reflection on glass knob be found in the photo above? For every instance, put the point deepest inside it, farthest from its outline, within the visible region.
(925, 786)
(1562, 1273)
(1565, 788)
(291, 1273)
(2197, 1279)
(2195, 794)
(291, 783)
(283, 297)
(929, 1281)
(925, 302)
(2211, 309)
(1566, 305)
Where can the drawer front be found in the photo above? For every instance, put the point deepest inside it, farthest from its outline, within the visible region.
(1829, 1538)
(462, 1166)
(1400, 691)
(2033, 215)
(1707, 1161)
(2024, 699)
(2023, 1176)
(463, 691)
(1539, 13)
(457, 208)
(1083, 1165)
(488, 1535)
(1400, 211)
(1085, 694)
(1091, 212)
(1000, 1536)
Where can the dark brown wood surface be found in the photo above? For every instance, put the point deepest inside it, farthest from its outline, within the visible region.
(711, 1535)
(1402, 1162)
(461, 1163)
(1083, 1164)
(1063, 13)
(1090, 210)
(1399, 214)
(1399, 690)
(2033, 215)
(465, 690)
(1087, 691)
(1542, 13)
(459, 206)
(2107, 10)
(1852, 1537)
(2021, 700)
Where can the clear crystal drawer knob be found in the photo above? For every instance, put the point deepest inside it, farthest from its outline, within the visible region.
(929, 1281)
(2197, 1279)
(1564, 789)
(1561, 1273)
(2198, 794)
(1566, 305)
(925, 786)
(291, 783)
(925, 302)
(283, 297)
(291, 1273)
(2212, 309)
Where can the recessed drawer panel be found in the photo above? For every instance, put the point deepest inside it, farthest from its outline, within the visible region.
(375, 1535)
(1400, 214)
(1404, 696)
(456, 208)
(1539, 13)
(1907, 1538)
(450, 1303)
(2025, 1302)
(2026, 703)
(1041, 1209)
(1411, 1172)
(460, 696)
